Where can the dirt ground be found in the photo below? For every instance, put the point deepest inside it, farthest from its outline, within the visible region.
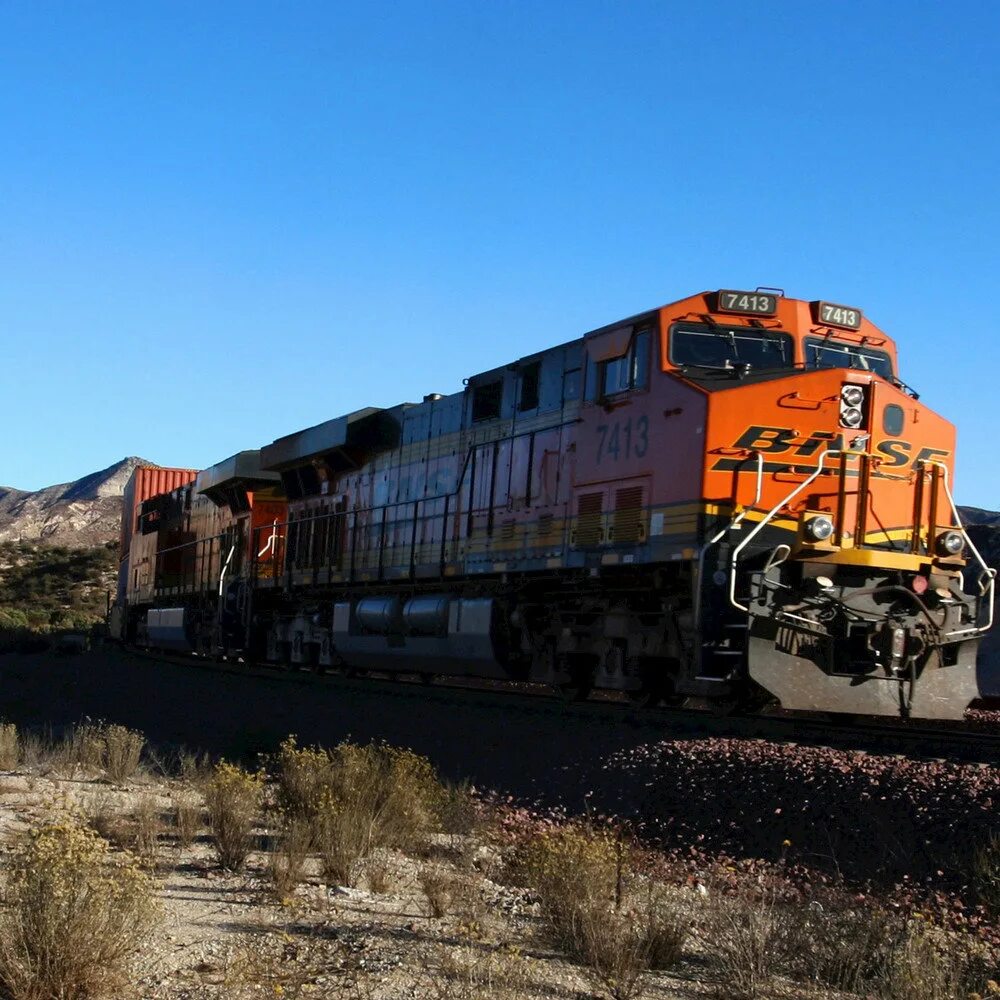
(226, 936)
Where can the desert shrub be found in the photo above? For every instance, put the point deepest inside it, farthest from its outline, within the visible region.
(290, 964)
(233, 797)
(379, 872)
(194, 769)
(438, 885)
(458, 812)
(847, 947)
(187, 818)
(923, 967)
(986, 872)
(472, 972)
(378, 796)
(84, 747)
(115, 751)
(121, 752)
(147, 826)
(289, 851)
(598, 911)
(107, 819)
(304, 775)
(10, 746)
(574, 870)
(73, 917)
(749, 938)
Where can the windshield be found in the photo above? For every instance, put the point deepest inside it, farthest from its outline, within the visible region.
(834, 354)
(719, 347)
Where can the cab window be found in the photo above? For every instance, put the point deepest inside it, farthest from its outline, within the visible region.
(630, 371)
(722, 348)
(836, 354)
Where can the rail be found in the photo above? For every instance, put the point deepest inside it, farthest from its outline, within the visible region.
(766, 520)
(738, 515)
(988, 573)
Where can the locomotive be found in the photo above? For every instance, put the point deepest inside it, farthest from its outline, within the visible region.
(731, 501)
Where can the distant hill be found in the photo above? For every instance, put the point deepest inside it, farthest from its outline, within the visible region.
(80, 514)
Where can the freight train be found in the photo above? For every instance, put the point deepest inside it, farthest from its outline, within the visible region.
(731, 501)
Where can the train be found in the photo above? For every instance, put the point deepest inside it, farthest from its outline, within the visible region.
(731, 502)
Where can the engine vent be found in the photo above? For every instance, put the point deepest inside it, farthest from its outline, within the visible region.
(544, 525)
(507, 529)
(589, 510)
(628, 524)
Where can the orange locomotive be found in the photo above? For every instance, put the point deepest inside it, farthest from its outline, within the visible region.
(731, 500)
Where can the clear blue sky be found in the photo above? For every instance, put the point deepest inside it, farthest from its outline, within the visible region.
(221, 222)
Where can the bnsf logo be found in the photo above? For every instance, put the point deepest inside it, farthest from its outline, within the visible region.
(785, 441)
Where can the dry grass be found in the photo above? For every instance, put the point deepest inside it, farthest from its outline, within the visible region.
(380, 873)
(233, 797)
(73, 917)
(187, 818)
(376, 796)
(290, 966)
(439, 887)
(286, 860)
(108, 820)
(597, 910)
(986, 872)
(10, 746)
(749, 939)
(474, 971)
(147, 827)
(121, 753)
(843, 946)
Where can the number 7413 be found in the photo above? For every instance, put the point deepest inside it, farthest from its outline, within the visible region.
(622, 439)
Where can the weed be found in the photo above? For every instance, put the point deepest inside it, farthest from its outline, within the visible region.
(574, 870)
(10, 746)
(291, 966)
(378, 796)
(986, 872)
(749, 938)
(73, 917)
(148, 827)
(187, 818)
(304, 776)
(106, 818)
(846, 947)
(286, 860)
(121, 753)
(233, 797)
(438, 885)
(922, 967)
(379, 872)
(471, 971)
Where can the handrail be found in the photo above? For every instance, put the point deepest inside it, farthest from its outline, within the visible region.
(988, 572)
(732, 524)
(225, 567)
(768, 517)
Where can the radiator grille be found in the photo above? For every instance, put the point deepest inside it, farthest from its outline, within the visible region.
(507, 529)
(628, 519)
(544, 525)
(589, 508)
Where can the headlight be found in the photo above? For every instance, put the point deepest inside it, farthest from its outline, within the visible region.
(950, 543)
(819, 529)
(851, 417)
(852, 405)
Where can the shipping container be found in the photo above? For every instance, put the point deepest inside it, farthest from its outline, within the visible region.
(146, 481)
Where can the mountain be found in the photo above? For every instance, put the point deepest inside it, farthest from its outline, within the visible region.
(80, 514)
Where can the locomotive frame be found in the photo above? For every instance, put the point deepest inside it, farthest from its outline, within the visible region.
(728, 501)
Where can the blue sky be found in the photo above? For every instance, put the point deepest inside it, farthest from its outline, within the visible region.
(223, 222)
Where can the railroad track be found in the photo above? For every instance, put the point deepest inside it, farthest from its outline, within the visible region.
(935, 741)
